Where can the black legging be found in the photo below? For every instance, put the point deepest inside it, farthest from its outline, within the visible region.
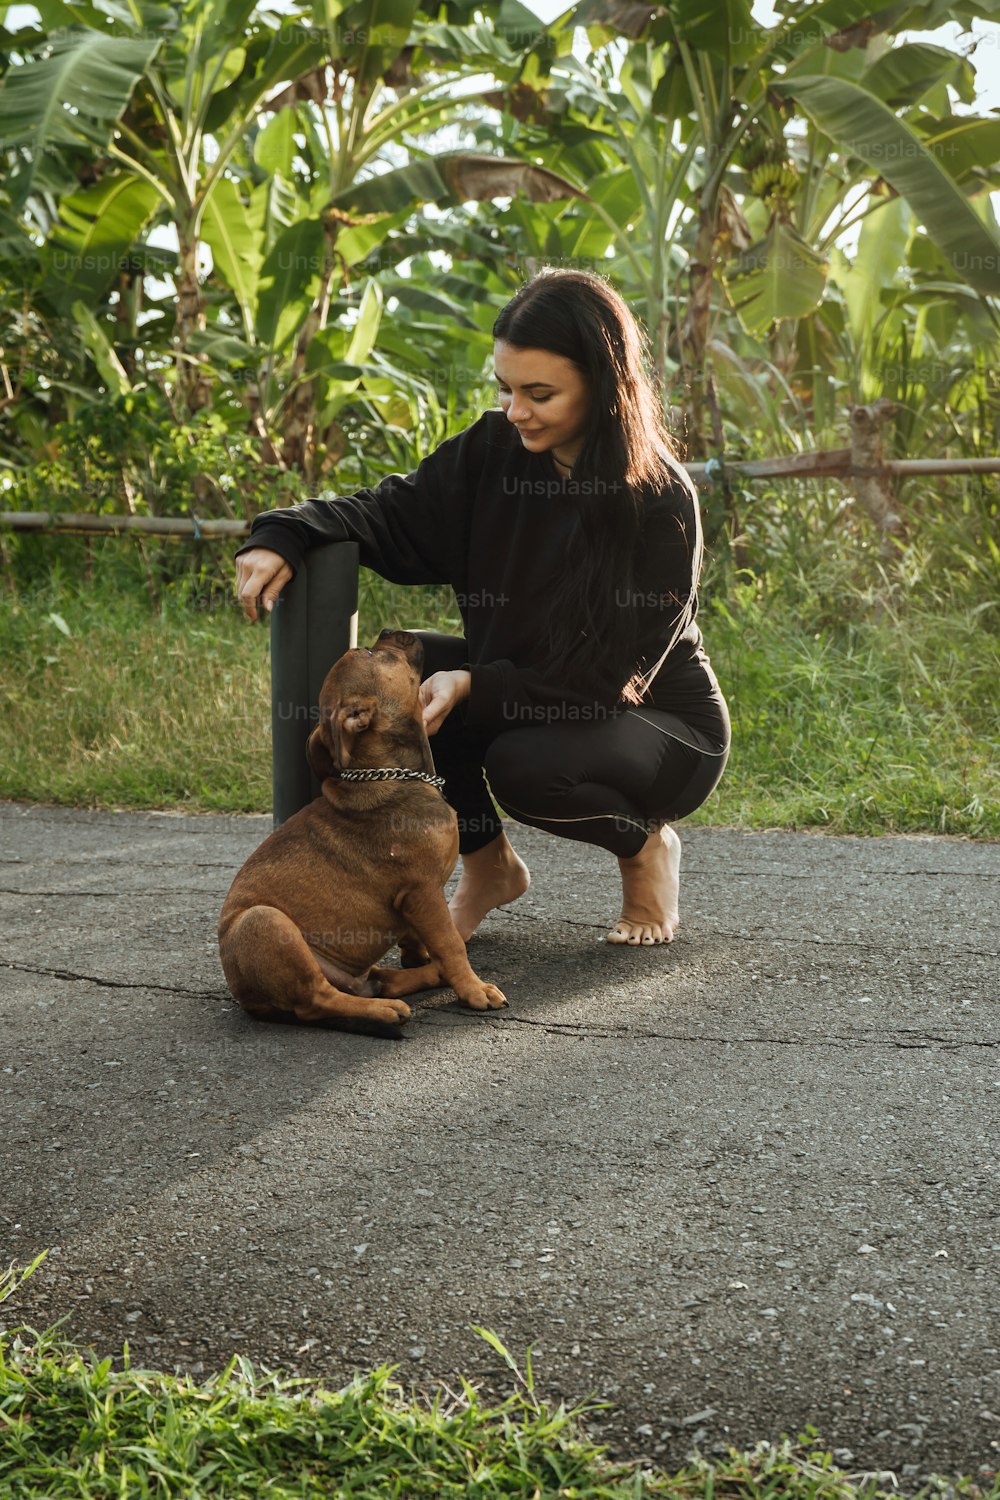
(608, 782)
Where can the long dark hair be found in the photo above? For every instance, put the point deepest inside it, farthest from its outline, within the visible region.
(627, 452)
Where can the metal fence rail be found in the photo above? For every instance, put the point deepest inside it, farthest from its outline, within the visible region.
(833, 463)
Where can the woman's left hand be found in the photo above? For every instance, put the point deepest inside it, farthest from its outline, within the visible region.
(439, 695)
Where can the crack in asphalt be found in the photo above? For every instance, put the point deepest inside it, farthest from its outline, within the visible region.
(160, 890)
(113, 859)
(915, 1040)
(113, 984)
(906, 1041)
(127, 984)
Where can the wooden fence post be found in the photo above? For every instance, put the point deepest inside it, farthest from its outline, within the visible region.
(873, 482)
(314, 621)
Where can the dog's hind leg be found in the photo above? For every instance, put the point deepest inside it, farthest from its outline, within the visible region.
(350, 984)
(409, 981)
(274, 975)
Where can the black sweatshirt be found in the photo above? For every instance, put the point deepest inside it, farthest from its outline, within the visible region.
(483, 514)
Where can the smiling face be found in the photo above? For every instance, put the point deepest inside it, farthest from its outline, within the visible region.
(546, 397)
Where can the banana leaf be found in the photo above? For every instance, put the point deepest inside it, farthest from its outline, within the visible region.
(861, 124)
(71, 96)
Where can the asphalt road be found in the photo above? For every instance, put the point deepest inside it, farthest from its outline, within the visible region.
(734, 1187)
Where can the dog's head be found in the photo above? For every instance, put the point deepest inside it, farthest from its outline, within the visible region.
(369, 710)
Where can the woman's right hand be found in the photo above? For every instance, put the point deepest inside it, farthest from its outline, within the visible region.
(260, 577)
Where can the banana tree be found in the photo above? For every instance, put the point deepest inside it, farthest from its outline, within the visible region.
(701, 118)
(916, 177)
(878, 123)
(330, 160)
(156, 105)
(167, 119)
(397, 77)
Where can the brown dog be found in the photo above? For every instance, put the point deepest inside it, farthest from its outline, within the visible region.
(364, 866)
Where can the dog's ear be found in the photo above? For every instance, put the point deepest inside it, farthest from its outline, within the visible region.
(331, 744)
(319, 757)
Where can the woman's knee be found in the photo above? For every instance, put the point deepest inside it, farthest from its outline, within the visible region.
(528, 771)
(511, 770)
(690, 794)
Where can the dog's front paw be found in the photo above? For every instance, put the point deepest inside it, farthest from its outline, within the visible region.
(484, 997)
(393, 1011)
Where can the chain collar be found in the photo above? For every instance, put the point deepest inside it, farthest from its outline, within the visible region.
(390, 773)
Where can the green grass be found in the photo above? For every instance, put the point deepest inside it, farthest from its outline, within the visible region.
(106, 704)
(73, 1425)
(881, 722)
(884, 725)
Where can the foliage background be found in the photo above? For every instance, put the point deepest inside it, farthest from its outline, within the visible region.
(248, 255)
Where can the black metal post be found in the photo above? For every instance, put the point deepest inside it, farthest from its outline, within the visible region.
(314, 621)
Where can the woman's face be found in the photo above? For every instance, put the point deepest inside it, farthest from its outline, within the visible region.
(546, 397)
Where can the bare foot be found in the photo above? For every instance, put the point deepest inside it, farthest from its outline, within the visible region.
(650, 889)
(491, 877)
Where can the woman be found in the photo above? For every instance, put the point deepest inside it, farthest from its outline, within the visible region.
(571, 536)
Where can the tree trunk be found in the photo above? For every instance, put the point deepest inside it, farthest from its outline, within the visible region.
(705, 428)
(299, 446)
(194, 387)
(125, 320)
(694, 330)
